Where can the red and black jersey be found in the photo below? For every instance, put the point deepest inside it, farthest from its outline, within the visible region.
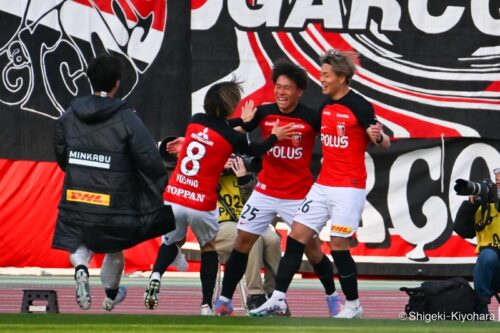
(208, 144)
(344, 140)
(286, 170)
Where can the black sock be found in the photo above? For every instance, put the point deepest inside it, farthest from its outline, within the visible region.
(289, 264)
(166, 254)
(77, 268)
(111, 293)
(347, 273)
(324, 271)
(235, 269)
(208, 275)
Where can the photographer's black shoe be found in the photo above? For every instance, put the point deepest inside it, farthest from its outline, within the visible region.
(255, 301)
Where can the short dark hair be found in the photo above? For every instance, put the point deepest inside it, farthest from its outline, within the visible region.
(342, 62)
(103, 72)
(222, 98)
(295, 73)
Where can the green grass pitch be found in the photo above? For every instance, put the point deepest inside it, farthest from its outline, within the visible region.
(157, 323)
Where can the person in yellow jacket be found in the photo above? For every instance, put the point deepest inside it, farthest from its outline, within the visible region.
(473, 220)
(235, 186)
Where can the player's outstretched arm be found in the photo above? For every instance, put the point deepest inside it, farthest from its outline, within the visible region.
(175, 146)
(248, 111)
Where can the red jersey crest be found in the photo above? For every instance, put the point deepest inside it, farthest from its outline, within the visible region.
(341, 129)
(296, 140)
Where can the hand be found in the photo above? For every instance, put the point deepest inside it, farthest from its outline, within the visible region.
(238, 167)
(375, 133)
(472, 199)
(283, 132)
(175, 146)
(248, 111)
(229, 162)
(378, 137)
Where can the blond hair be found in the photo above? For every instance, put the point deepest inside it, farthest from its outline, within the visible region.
(342, 62)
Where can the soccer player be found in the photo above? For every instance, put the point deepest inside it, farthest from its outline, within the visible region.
(348, 124)
(235, 188)
(282, 184)
(192, 189)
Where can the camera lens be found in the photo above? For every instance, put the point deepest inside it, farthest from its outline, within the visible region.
(475, 188)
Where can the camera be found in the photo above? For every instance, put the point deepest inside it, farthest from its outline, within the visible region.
(170, 160)
(252, 164)
(485, 190)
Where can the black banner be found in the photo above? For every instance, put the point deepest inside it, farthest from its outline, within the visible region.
(45, 47)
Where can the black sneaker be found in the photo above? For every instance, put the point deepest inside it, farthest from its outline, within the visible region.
(255, 301)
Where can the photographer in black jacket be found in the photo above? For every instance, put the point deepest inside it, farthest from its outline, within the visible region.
(479, 217)
(112, 197)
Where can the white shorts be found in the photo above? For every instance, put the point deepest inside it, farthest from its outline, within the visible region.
(260, 211)
(204, 225)
(343, 205)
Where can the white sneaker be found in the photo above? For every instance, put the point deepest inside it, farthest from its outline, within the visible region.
(180, 261)
(82, 289)
(206, 310)
(272, 307)
(108, 303)
(350, 313)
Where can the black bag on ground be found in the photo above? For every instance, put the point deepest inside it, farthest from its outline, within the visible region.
(454, 295)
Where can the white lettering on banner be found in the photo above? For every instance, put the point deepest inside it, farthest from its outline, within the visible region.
(335, 141)
(430, 23)
(185, 193)
(329, 13)
(266, 13)
(289, 153)
(263, 12)
(360, 10)
(435, 209)
(204, 17)
(481, 15)
(186, 180)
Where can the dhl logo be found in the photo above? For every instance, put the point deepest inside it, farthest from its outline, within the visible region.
(341, 230)
(88, 197)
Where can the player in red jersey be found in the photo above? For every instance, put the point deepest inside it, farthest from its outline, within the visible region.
(283, 182)
(192, 189)
(348, 124)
